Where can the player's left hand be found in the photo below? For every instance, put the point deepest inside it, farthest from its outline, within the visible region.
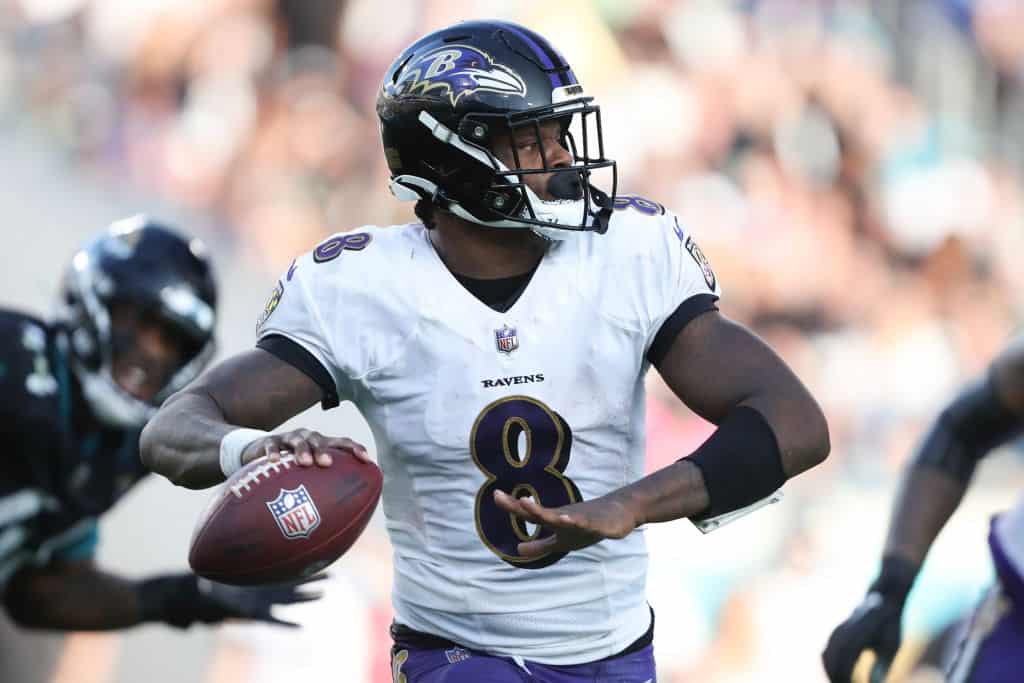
(575, 526)
(189, 599)
(252, 603)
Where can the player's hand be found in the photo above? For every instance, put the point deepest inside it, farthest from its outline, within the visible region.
(219, 601)
(307, 445)
(186, 599)
(575, 526)
(874, 625)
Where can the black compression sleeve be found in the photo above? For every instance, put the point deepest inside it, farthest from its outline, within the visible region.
(301, 359)
(971, 426)
(741, 462)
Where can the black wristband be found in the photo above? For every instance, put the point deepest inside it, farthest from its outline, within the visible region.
(740, 462)
(169, 599)
(895, 579)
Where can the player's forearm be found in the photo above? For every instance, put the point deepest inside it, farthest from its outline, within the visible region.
(741, 465)
(670, 493)
(182, 442)
(73, 600)
(927, 498)
(253, 389)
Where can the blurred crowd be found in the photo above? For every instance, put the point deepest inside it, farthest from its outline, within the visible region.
(851, 167)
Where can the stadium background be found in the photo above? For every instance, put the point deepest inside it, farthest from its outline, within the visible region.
(852, 169)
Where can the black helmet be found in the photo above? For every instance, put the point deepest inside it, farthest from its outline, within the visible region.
(144, 263)
(447, 96)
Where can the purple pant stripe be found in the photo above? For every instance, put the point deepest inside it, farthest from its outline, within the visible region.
(458, 665)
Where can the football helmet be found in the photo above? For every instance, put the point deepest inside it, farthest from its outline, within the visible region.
(450, 94)
(143, 263)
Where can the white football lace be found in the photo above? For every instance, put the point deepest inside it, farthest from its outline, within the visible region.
(265, 469)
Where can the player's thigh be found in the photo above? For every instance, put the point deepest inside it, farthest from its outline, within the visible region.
(1001, 656)
(991, 649)
(411, 665)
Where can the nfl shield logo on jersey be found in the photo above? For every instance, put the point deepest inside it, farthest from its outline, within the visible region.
(506, 339)
(295, 513)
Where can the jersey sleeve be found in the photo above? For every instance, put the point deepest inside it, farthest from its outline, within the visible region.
(677, 286)
(340, 312)
(292, 327)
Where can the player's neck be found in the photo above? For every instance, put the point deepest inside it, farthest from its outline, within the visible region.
(486, 253)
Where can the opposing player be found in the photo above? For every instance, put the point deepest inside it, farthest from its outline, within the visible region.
(136, 323)
(987, 413)
(498, 349)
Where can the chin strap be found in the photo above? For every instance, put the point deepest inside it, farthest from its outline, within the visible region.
(604, 215)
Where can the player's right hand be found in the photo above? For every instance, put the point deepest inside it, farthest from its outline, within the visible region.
(308, 446)
(874, 625)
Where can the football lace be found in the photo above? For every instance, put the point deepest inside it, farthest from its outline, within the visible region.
(265, 469)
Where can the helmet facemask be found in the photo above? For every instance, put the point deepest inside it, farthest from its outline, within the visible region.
(485, 190)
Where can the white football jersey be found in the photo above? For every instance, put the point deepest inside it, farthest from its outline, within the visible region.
(545, 399)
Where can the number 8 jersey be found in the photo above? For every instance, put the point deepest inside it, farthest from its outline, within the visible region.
(545, 400)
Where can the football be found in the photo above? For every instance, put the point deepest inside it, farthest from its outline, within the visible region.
(277, 521)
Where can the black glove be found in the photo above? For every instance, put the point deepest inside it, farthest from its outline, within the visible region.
(874, 625)
(183, 599)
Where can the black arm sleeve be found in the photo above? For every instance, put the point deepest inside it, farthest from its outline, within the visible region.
(971, 426)
(674, 324)
(740, 462)
(302, 360)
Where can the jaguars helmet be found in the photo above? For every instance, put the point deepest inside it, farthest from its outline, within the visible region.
(450, 93)
(145, 263)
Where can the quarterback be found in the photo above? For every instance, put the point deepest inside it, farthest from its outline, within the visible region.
(497, 347)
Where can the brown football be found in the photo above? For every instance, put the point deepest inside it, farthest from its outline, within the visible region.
(277, 521)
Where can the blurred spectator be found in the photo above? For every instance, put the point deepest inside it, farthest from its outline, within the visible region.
(852, 168)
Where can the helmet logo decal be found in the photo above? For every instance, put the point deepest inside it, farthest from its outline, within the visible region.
(458, 70)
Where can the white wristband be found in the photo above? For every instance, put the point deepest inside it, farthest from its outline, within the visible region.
(706, 526)
(232, 445)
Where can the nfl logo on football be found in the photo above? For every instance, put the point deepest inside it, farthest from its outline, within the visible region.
(295, 513)
(506, 339)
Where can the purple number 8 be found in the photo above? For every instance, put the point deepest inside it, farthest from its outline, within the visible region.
(644, 206)
(332, 248)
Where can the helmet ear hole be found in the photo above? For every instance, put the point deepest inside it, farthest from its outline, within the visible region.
(477, 131)
(502, 202)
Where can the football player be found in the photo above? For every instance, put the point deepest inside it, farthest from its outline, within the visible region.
(136, 322)
(986, 414)
(497, 348)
